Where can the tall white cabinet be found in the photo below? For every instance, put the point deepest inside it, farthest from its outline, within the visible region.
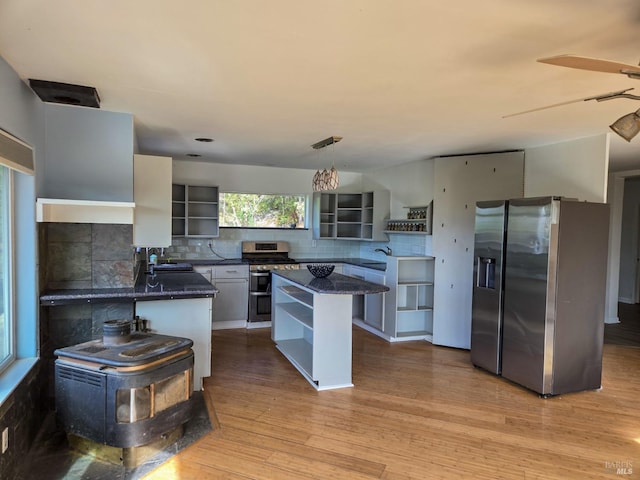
(152, 196)
(460, 183)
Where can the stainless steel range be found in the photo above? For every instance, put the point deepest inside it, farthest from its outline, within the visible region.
(263, 257)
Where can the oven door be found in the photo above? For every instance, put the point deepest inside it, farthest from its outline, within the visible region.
(259, 306)
(259, 282)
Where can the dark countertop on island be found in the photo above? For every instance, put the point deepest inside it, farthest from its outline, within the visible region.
(162, 286)
(334, 284)
(357, 261)
(360, 262)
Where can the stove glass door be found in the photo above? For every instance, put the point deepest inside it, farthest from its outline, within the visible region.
(259, 282)
(259, 307)
(259, 296)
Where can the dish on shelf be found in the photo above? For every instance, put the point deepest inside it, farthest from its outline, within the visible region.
(320, 270)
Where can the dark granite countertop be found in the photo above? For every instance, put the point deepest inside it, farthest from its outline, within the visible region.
(360, 262)
(210, 261)
(162, 286)
(335, 283)
(357, 261)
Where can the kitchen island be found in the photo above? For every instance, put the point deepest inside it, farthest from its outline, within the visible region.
(311, 323)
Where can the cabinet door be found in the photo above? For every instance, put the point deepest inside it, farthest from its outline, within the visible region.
(205, 271)
(358, 300)
(232, 301)
(231, 271)
(165, 317)
(152, 196)
(374, 303)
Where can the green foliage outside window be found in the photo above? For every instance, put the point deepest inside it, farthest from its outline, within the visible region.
(261, 210)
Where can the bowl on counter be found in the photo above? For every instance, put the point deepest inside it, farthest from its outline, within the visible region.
(321, 270)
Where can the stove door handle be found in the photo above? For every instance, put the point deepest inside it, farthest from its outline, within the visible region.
(259, 274)
(260, 294)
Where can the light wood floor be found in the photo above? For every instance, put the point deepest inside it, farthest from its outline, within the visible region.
(416, 412)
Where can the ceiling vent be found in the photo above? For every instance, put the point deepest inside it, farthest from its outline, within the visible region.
(66, 93)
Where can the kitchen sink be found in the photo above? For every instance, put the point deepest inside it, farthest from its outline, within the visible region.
(374, 263)
(173, 267)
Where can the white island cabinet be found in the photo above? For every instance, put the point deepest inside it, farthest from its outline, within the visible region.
(311, 323)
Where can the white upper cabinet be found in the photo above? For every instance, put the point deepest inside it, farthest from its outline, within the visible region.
(152, 197)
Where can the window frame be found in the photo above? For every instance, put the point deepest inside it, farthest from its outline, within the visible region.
(8, 263)
(18, 157)
(303, 196)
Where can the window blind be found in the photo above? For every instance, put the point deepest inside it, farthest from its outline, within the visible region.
(15, 154)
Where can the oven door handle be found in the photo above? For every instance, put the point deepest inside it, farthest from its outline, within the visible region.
(260, 294)
(259, 274)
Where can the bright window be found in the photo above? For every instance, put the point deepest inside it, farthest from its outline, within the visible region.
(262, 210)
(7, 352)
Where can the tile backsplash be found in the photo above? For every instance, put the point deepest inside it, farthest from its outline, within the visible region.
(229, 245)
(81, 255)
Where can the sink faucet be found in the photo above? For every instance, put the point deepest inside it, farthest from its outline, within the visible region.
(386, 252)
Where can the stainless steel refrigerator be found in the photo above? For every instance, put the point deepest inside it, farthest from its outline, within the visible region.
(551, 288)
(488, 287)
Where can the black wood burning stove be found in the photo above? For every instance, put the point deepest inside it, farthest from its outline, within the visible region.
(125, 390)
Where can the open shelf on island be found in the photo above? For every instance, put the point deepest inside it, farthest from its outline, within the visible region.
(298, 294)
(299, 312)
(299, 352)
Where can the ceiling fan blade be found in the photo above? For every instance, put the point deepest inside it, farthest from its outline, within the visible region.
(593, 64)
(599, 98)
(546, 107)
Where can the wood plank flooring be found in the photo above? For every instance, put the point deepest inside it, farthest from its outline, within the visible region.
(627, 332)
(417, 411)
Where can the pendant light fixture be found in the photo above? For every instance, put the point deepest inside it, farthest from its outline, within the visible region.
(326, 179)
(627, 126)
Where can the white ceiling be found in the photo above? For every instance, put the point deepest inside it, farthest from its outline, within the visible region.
(400, 80)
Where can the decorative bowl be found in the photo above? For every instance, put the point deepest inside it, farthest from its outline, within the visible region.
(320, 270)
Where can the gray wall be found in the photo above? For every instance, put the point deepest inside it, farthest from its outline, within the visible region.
(89, 154)
(629, 240)
(23, 411)
(21, 112)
